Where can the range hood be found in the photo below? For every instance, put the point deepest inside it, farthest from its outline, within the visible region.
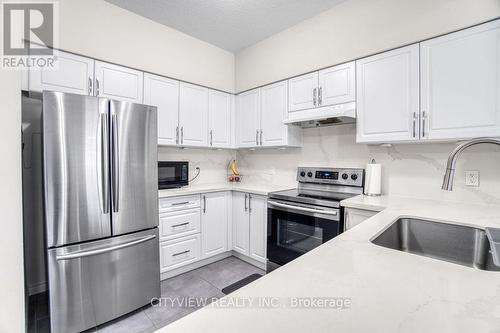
(324, 116)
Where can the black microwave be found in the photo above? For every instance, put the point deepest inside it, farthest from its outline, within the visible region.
(172, 174)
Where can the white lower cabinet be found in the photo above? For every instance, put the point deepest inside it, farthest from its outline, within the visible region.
(179, 252)
(354, 216)
(178, 224)
(214, 223)
(250, 225)
(258, 227)
(241, 223)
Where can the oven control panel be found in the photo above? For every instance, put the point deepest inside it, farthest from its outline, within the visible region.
(347, 177)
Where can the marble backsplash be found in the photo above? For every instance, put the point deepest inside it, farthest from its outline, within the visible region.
(414, 170)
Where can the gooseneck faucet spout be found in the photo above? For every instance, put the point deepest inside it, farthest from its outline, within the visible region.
(452, 159)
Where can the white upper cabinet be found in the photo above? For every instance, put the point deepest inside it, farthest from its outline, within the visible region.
(193, 115)
(164, 94)
(337, 85)
(220, 117)
(214, 223)
(303, 92)
(74, 74)
(388, 96)
(258, 227)
(460, 85)
(118, 82)
(249, 118)
(273, 112)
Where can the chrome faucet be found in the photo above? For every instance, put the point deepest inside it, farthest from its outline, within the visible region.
(452, 159)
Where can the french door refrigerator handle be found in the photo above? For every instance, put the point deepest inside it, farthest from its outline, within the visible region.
(81, 254)
(104, 163)
(116, 163)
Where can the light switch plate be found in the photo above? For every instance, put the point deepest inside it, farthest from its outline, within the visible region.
(472, 178)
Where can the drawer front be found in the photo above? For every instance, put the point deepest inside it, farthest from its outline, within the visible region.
(179, 252)
(179, 203)
(180, 223)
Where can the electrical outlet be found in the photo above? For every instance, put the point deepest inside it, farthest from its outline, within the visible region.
(472, 178)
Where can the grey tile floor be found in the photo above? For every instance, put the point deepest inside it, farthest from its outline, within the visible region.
(205, 283)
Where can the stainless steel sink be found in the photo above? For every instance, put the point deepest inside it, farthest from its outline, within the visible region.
(458, 244)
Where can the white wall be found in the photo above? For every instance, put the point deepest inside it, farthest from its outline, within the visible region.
(408, 170)
(353, 29)
(11, 238)
(101, 30)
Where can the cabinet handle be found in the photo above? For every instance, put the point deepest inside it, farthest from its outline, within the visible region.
(249, 203)
(414, 124)
(246, 198)
(320, 95)
(182, 135)
(211, 138)
(97, 87)
(204, 204)
(177, 135)
(256, 137)
(261, 137)
(180, 224)
(179, 203)
(179, 253)
(424, 116)
(90, 86)
(314, 96)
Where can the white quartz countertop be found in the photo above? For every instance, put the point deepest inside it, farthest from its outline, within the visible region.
(260, 189)
(388, 290)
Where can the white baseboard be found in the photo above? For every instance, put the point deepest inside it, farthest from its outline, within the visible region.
(37, 288)
(249, 260)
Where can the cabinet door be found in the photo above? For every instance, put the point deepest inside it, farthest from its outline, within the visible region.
(74, 74)
(258, 227)
(249, 118)
(240, 223)
(274, 109)
(193, 115)
(117, 82)
(214, 220)
(353, 217)
(303, 92)
(460, 84)
(220, 119)
(388, 96)
(164, 94)
(337, 84)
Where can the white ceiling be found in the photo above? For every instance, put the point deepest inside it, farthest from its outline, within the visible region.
(228, 24)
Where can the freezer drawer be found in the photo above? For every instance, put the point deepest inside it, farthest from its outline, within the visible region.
(92, 283)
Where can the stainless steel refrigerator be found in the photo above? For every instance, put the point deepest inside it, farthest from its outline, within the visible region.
(101, 208)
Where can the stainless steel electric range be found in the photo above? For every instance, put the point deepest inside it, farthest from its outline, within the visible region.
(301, 219)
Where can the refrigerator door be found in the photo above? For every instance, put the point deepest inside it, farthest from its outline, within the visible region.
(76, 168)
(95, 282)
(134, 167)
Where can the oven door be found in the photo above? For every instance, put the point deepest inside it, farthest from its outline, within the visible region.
(172, 174)
(294, 229)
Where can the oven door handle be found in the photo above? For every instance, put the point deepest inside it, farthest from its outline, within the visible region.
(304, 209)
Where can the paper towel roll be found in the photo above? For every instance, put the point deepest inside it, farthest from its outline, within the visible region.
(373, 183)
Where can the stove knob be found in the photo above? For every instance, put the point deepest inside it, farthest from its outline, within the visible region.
(302, 174)
(354, 176)
(345, 176)
(309, 174)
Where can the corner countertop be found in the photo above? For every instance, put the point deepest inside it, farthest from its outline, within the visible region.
(258, 189)
(377, 204)
(389, 291)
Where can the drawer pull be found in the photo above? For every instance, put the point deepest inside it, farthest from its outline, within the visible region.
(180, 224)
(180, 203)
(178, 254)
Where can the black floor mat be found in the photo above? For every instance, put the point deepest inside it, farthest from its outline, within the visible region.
(241, 283)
